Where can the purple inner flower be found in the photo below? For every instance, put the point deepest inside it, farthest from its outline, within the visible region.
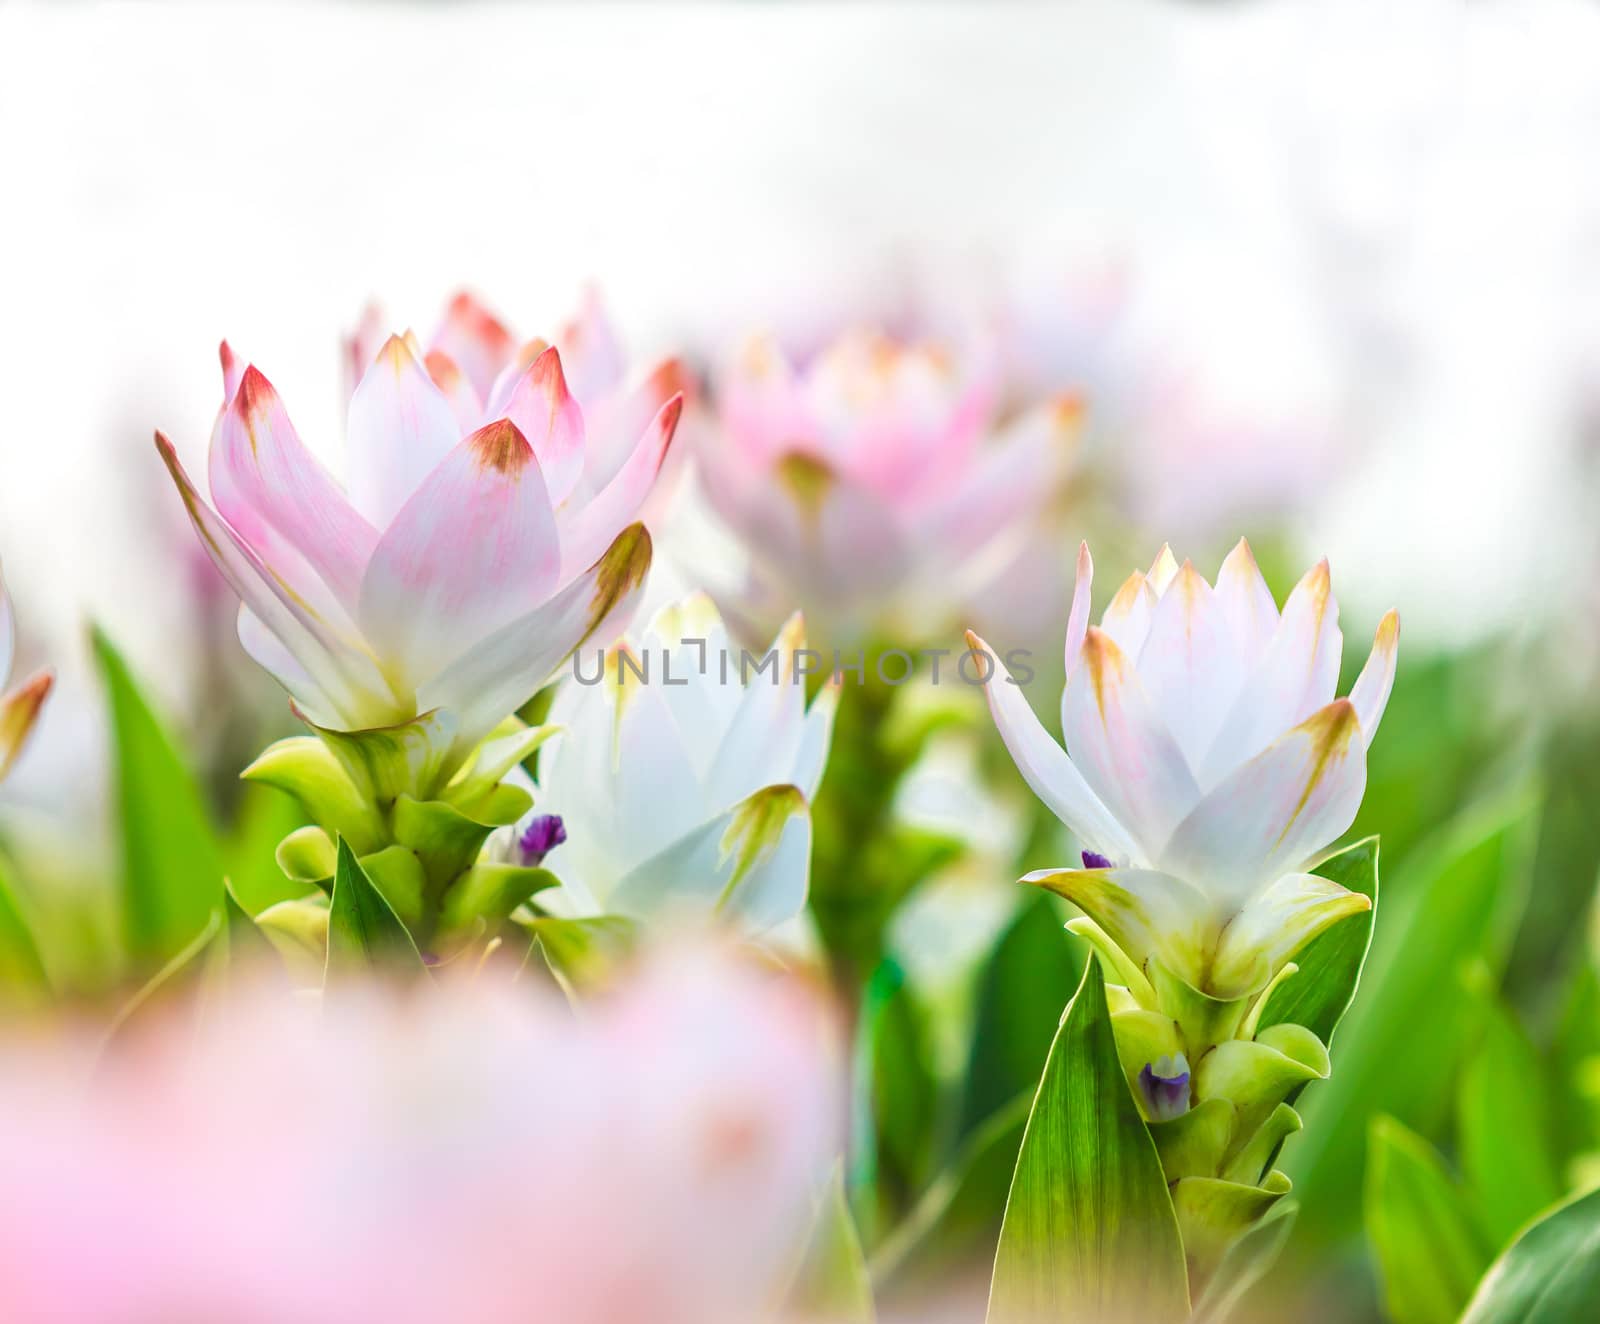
(1164, 1085)
(542, 835)
(1093, 859)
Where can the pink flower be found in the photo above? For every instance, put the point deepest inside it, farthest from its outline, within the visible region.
(480, 537)
(470, 1153)
(876, 477)
(19, 708)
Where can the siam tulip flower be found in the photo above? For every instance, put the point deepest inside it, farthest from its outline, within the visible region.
(469, 553)
(876, 478)
(19, 708)
(654, 1160)
(681, 776)
(1208, 761)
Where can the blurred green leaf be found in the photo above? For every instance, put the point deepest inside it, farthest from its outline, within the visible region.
(1089, 1229)
(1400, 1045)
(172, 865)
(1429, 1250)
(956, 1223)
(1028, 979)
(22, 973)
(178, 976)
(1244, 1264)
(1550, 1274)
(266, 815)
(833, 1284)
(581, 954)
(364, 933)
(1575, 1125)
(1321, 991)
(1504, 1127)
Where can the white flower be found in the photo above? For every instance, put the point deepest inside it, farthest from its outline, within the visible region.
(1208, 762)
(683, 774)
(19, 708)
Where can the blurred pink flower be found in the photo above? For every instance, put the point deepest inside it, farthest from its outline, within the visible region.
(876, 478)
(479, 539)
(470, 1153)
(19, 708)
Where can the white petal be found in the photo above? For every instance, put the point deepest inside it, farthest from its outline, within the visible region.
(1048, 771)
(1189, 665)
(1272, 927)
(1078, 616)
(1127, 616)
(1370, 694)
(815, 739)
(1277, 811)
(1246, 602)
(400, 427)
(1146, 913)
(1162, 570)
(763, 740)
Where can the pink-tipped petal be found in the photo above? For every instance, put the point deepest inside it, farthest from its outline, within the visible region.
(232, 372)
(349, 681)
(456, 389)
(547, 415)
(1297, 675)
(1127, 616)
(476, 341)
(1246, 602)
(1189, 665)
(1078, 616)
(268, 485)
(1122, 744)
(587, 531)
(1044, 765)
(19, 710)
(1277, 811)
(401, 426)
(592, 350)
(474, 548)
(1370, 694)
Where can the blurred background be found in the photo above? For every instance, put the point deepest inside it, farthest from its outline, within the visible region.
(1328, 276)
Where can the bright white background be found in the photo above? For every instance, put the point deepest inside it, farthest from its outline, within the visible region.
(1402, 204)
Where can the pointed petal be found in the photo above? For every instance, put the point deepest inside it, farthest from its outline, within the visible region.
(1119, 740)
(456, 389)
(1078, 616)
(1277, 924)
(1050, 774)
(19, 710)
(270, 653)
(232, 371)
(400, 428)
(816, 737)
(591, 349)
(587, 531)
(1246, 602)
(1277, 811)
(474, 548)
(1162, 570)
(1189, 665)
(692, 643)
(262, 475)
(1370, 694)
(1298, 674)
(476, 340)
(1127, 616)
(497, 676)
(749, 865)
(547, 415)
(763, 740)
(349, 681)
(1146, 913)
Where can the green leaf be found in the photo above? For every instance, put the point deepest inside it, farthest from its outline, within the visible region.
(1244, 1264)
(172, 865)
(1504, 1128)
(22, 973)
(1029, 978)
(582, 954)
(1549, 1275)
(901, 1109)
(364, 933)
(1321, 991)
(956, 1223)
(266, 815)
(1429, 1250)
(1089, 1229)
(833, 1283)
(177, 976)
(1453, 905)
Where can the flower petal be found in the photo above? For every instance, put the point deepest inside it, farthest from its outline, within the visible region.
(1119, 740)
(400, 427)
(1277, 811)
(591, 349)
(351, 686)
(1189, 665)
(547, 415)
(1127, 616)
(1298, 674)
(1163, 570)
(1050, 774)
(265, 482)
(270, 653)
(19, 710)
(588, 530)
(456, 389)
(1272, 927)
(763, 740)
(1078, 616)
(1246, 602)
(476, 340)
(1146, 913)
(498, 675)
(474, 548)
(1370, 694)
(816, 737)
